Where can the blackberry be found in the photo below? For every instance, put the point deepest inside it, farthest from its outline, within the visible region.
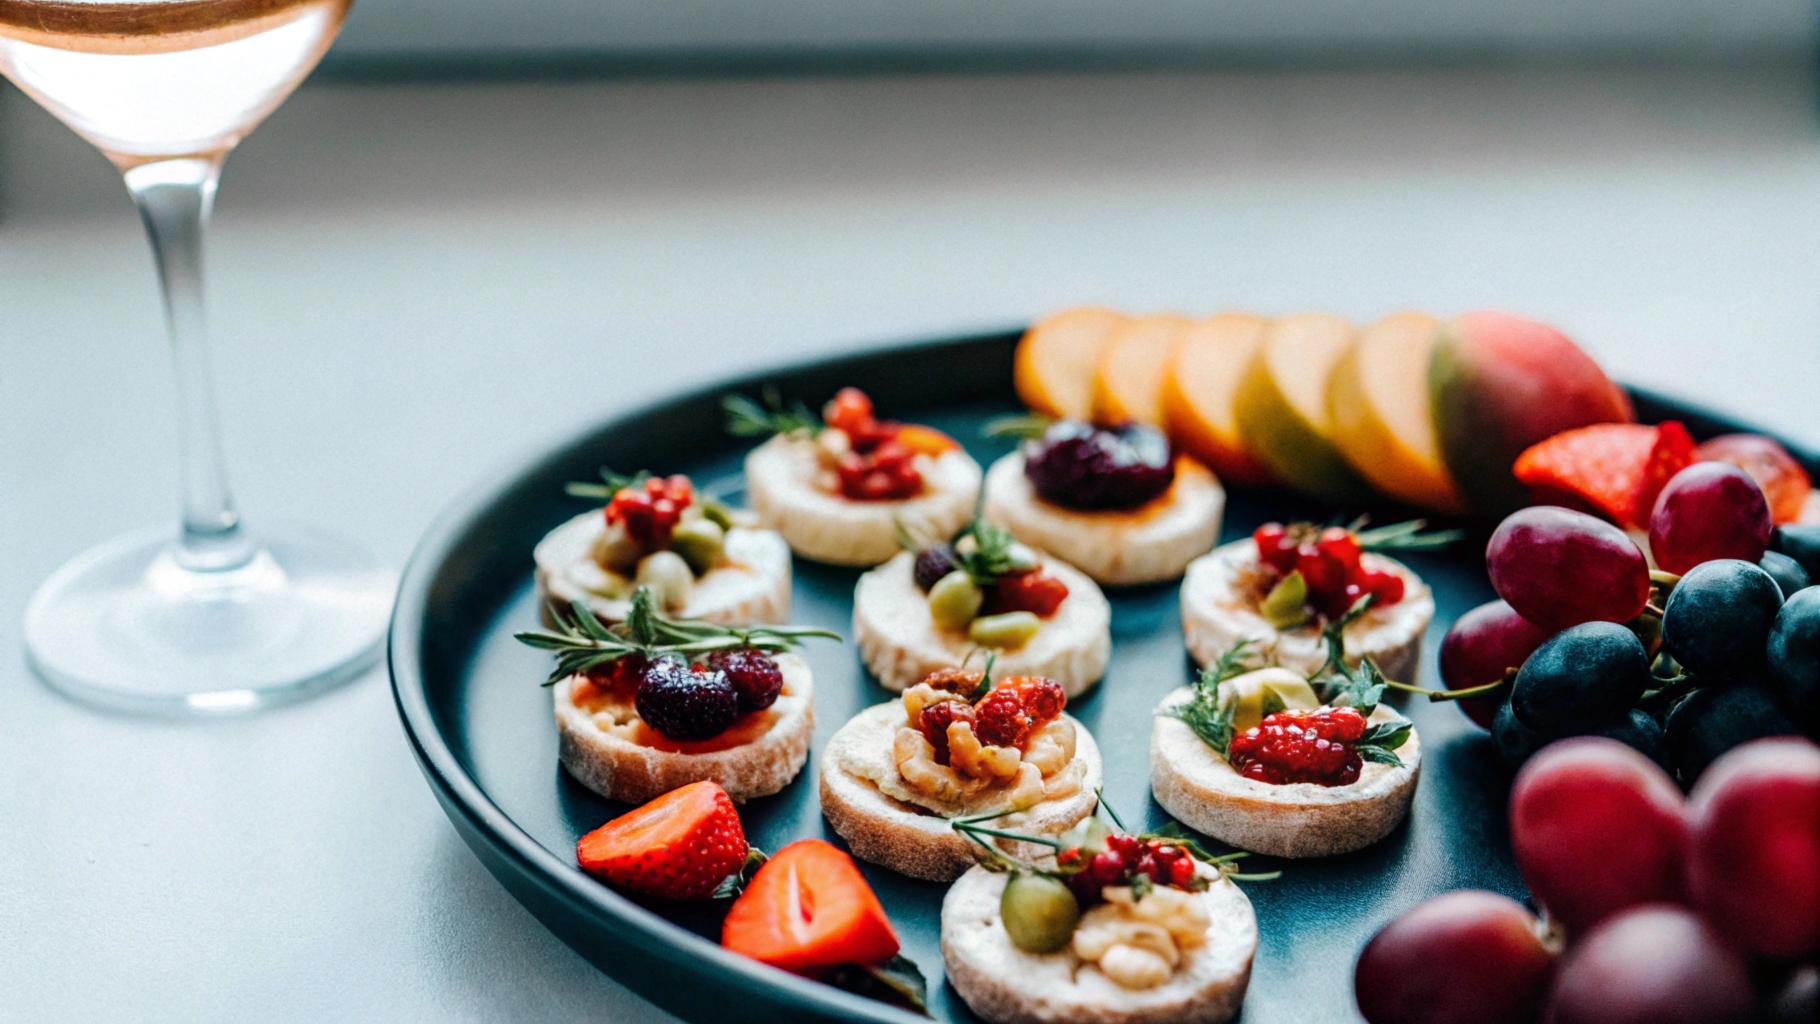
(755, 677)
(932, 563)
(685, 703)
(1078, 465)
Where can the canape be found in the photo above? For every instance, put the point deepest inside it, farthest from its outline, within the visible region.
(1281, 587)
(701, 559)
(1117, 504)
(841, 487)
(1113, 928)
(937, 606)
(652, 704)
(1259, 760)
(897, 774)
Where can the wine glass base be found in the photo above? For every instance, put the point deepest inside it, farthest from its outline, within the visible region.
(125, 626)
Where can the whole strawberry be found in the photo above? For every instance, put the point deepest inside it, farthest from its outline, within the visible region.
(680, 846)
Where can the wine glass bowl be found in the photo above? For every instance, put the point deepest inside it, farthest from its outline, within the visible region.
(209, 617)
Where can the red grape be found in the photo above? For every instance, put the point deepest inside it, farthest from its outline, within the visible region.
(1754, 864)
(1482, 645)
(1597, 827)
(1709, 510)
(1465, 957)
(1559, 568)
(1785, 484)
(1651, 965)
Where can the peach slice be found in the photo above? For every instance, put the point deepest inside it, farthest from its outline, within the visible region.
(1382, 420)
(1282, 406)
(1128, 380)
(1055, 362)
(1199, 387)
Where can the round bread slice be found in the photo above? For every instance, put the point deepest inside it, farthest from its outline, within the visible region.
(912, 840)
(1301, 819)
(901, 643)
(1117, 548)
(751, 587)
(781, 485)
(1006, 985)
(1220, 608)
(601, 756)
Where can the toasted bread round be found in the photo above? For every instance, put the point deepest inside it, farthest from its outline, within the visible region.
(1301, 819)
(601, 757)
(1220, 608)
(1006, 985)
(1117, 548)
(751, 586)
(912, 840)
(781, 484)
(901, 643)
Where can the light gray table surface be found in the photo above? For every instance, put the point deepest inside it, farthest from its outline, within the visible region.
(415, 285)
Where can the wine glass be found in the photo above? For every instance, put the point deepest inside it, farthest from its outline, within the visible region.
(213, 616)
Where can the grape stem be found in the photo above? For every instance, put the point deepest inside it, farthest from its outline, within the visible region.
(1440, 695)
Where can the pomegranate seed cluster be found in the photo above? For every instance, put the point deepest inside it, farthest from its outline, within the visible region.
(1123, 860)
(879, 467)
(1301, 746)
(650, 511)
(1330, 563)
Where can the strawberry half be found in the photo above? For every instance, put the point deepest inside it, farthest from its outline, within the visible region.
(680, 846)
(809, 909)
(1614, 470)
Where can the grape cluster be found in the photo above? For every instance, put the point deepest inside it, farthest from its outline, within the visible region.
(1665, 910)
(1682, 668)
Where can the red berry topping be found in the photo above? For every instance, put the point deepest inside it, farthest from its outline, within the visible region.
(755, 677)
(680, 846)
(886, 473)
(935, 720)
(1276, 548)
(1036, 592)
(1181, 872)
(1331, 562)
(849, 411)
(1016, 708)
(1301, 746)
(685, 703)
(620, 673)
(651, 510)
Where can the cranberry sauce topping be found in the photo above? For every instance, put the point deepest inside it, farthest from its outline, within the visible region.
(1078, 465)
(1301, 746)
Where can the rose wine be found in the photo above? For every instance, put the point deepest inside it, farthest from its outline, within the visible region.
(149, 80)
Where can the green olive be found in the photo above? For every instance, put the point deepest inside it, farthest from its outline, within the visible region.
(669, 578)
(1039, 912)
(701, 543)
(1012, 629)
(1285, 607)
(954, 600)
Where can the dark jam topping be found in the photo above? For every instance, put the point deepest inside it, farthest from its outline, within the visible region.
(754, 675)
(686, 703)
(1080, 466)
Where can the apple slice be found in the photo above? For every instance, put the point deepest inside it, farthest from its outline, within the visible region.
(1383, 421)
(1055, 362)
(1282, 406)
(1128, 380)
(1260, 693)
(1199, 387)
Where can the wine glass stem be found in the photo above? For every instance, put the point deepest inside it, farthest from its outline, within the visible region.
(174, 198)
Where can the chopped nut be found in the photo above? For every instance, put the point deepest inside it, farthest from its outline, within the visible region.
(982, 761)
(1052, 747)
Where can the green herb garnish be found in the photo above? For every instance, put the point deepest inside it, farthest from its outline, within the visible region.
(747, 418)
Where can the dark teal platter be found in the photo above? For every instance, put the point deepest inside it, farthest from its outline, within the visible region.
(482, 731)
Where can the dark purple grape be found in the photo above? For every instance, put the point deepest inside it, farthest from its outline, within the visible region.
(685, 703)
(1463, 957)
(1559, 568)
(1789, 574)
(1715, 719)
(1709, 510)
(1638, 731)
(932, 563)
(1651, 965)
(1582, 679)
(1800, 542)
(1480, 648)
(1717, 621)
(1794, 658)
(1078, 465)
(1514, 741)
(755, 677)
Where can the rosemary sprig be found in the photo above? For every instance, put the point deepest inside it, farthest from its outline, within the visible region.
(747, 418)
(611, 483)
(1404, 536)
(583, 642)
(1202, 712)
(992, 555)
